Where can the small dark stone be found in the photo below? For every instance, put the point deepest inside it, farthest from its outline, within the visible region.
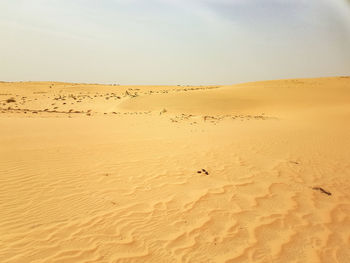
(205, 171)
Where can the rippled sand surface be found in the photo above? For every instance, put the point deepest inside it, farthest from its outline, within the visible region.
(255, 172)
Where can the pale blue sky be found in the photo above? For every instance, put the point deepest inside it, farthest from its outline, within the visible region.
(173, 41)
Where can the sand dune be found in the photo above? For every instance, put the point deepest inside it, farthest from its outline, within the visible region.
(255, 172)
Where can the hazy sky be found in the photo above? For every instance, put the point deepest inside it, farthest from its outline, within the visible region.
(173, 41)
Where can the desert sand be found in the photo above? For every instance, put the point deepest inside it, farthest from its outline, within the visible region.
(254, 172)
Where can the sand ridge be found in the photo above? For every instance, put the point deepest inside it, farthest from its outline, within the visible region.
(104, 173)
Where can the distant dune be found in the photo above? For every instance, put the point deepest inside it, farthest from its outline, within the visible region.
(255, 172)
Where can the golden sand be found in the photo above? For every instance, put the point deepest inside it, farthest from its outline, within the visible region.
(255, 172)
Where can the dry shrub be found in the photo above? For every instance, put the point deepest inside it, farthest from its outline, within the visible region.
(10, 100)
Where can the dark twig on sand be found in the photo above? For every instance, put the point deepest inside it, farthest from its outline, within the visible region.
(322, 190)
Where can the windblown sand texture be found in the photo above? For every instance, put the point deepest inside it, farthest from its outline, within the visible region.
(255, 172)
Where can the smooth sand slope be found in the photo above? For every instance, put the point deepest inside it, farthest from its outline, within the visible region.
(256, 172)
